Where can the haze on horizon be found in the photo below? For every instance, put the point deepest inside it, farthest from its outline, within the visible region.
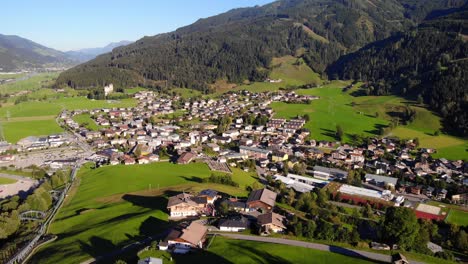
(74, 25)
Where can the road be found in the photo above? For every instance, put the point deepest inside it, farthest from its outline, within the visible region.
(344, 251)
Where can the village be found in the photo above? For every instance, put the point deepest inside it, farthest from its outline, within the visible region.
(240, 130)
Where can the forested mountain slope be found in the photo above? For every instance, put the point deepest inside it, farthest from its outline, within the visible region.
(240, 44)
(429, 63)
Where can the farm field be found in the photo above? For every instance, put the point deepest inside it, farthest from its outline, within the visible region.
(363, 115)
(16, 130)
(457, 217)
(117, 204)
(33, 83)
(54, 106)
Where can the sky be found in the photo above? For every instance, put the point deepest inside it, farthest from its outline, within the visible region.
(75, 24)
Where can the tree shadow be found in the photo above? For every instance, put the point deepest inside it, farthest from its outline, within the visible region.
(377, 129)
(354, 254)
(192, 179)
(328, 132)
(96, 246)
(150, 202)
(260, 256)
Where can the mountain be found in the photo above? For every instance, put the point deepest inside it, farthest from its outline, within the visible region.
(429, 63)
(18, 53)
(239, 44)
(84, 55)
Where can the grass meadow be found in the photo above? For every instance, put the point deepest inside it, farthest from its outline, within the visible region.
(117, 204)
(363, 115)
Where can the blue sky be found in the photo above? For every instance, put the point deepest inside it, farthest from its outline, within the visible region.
(69, 25)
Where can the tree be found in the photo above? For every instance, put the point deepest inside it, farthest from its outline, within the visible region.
(223, 208)
(339, 133)
(400, 227)
(309, 229)
(420, 99)
(298, 229)
(461, 240)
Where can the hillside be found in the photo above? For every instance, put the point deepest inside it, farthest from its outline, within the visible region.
(428, 64)
(84, 55)
(240, 44)
(18, 53)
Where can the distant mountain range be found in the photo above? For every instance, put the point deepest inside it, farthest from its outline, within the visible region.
(18, 53)
(84, 55)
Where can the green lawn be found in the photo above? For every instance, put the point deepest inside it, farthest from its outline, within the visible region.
(457, 217)
(85, 119)
(6, 181)
(224, 250)
(117, 204)
(243, 178)
(16, 130)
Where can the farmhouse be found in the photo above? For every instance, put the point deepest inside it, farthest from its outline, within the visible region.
(185, 158)
(187, 236)
(261, 199)
(271, 222)
(183, 205)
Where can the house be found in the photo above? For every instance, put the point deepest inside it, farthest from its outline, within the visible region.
(183, 205)
(150, 260)
(235, 205)
(271, 222)
(185, 158)
(253, 152)
(383, 181)
(234, 224)
(441, 194)
(279, 156)
(185, 237)
(261, 199)
(211, 195)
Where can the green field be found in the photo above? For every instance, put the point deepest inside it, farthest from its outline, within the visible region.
(6, 181)
(33, 83)
(332, 109)
(87, 121)
(362, 115)
(16, 130)
(457, 217)
(283, 68)
(54, 106)
(224, 250)
(117, 204)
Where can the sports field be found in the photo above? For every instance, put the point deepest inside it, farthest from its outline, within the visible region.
(457, 217)
(6, 181)
(117, 204)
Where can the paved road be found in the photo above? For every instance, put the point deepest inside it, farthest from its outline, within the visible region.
(344, 251)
